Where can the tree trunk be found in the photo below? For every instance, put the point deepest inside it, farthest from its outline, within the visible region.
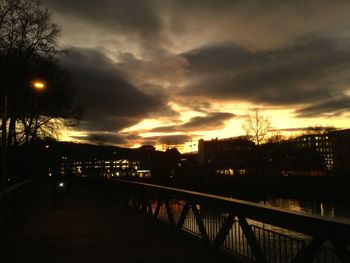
(11, 133)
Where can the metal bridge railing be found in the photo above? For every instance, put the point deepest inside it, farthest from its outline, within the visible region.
(11, 206)
(250, 232)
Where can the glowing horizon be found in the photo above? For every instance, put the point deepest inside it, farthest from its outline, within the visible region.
(232, 128)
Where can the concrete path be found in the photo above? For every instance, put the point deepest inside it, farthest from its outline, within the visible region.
(91, 228)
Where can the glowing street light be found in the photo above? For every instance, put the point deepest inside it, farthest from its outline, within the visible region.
(39, 85)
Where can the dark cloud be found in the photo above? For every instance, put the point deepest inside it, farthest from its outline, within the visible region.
(169, 128)
(329, 107)
(135, 17)
(213, 121)
(111, 102)
(255, 24)
(106, 138)
(109, 138)
(167, 140)
(159, 26)
(199, 104)
(155, 74)
(310, 70)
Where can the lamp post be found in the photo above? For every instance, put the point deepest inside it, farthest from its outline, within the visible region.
(37, 85)
(3, 141)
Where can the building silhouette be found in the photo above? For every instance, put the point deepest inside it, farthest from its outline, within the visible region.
(226, 156)
(84, 160)
(309, 154)
(334, 147)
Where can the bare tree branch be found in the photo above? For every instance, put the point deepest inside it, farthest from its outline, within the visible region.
(256, 125)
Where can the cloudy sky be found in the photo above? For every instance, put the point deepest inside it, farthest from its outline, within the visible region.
(173, 71)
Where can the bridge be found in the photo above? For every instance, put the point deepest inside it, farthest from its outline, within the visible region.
(127, 221)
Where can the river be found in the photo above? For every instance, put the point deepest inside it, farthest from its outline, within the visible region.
(325, 208)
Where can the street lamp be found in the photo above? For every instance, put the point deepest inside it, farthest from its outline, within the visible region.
(37, 85)
(3, 141)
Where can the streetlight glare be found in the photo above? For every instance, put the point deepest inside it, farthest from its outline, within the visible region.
(39, 85)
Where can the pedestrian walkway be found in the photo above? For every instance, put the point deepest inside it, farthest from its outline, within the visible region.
(90, 227)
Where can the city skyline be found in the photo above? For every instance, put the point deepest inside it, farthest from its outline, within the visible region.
(153, 72)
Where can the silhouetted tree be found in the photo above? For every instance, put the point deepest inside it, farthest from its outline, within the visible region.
(43, 114)
(257, 125)
(26, 32)
(28, 49)
(276, 137)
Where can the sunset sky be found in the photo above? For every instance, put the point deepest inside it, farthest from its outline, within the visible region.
(174, 71)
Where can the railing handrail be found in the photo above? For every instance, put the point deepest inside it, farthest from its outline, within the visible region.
(12, 188)
(10, 198)
(313, 225)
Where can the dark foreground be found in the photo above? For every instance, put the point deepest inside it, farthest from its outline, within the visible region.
(90, 227)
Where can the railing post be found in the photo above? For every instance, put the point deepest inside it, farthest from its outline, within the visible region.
(9, 206)
(200, 223)
(183, 215)
(252, 241)
(142, 202)
(149, 207)
(224, 230)
(156, 212)
(310, 251)
(126, 195)
(341, 251)
(170, 213)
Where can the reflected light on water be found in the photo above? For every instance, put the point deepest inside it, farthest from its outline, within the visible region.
(321, 208)
(290, 204)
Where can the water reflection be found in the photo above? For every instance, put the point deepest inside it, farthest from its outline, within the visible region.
(323, 208)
